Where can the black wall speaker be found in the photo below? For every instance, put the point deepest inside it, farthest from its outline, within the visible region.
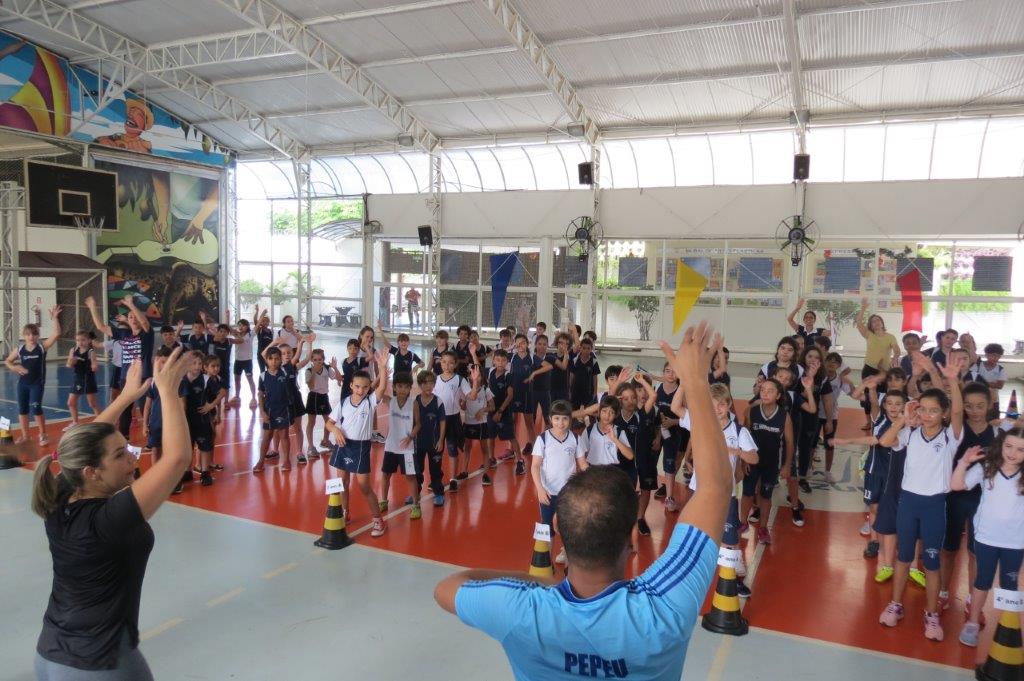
(801, 166)
(426, 235)
(586, 173)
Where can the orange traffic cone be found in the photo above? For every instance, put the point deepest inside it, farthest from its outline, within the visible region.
(724, 616)
(1005, 658)
(1012, 412)
(540, 564)
(334, 537)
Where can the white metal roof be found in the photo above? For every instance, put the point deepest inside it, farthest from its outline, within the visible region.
(452, 68)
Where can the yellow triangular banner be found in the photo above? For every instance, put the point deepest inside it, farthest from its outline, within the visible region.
(689, 285)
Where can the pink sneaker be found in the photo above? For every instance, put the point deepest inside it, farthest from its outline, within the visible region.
(892, 614)
(943, 602)
(671, 506)
(932, 628)
(379, 527)
(763, 536)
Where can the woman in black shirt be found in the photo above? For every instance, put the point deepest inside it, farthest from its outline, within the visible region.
(96, 524)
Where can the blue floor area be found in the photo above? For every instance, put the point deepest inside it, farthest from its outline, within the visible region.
(59, 380)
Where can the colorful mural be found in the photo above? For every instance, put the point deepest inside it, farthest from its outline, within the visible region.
(166, 252)
(41, 92)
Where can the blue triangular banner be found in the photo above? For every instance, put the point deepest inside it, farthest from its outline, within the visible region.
(502, 268)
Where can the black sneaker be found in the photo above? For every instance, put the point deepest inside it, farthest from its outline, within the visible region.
(301, 459)
(798, 516)
(486, 480)
(742, 590)
(799, 504)
(188, 477)
(644, 528)
(805, 486)
(462, 476)
(271, 455)
(216, 467)
(872, 550)
(528, 449)
(520, 467)
(754, 517)
(661, 493)
(179, 488)
(206, 478)
(453, 485)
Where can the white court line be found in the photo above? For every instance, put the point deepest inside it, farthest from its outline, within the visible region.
(45, 406)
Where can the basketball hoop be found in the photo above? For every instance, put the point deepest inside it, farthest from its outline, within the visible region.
(87, 224)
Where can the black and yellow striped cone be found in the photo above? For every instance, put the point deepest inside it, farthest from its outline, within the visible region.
(724, 616)
(1006, 657)
(10, 457)
(540, 564)
(334, 537)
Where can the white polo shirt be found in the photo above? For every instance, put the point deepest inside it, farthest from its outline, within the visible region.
(602, 451)
(558, 459)
(474, 407)
(736, 437)
(929, 462)
(356, 420)
(399, 426)
(450, 393)
(1000, 517)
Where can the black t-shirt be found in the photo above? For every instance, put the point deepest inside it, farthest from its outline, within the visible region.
(100, 548)
(264, 337)
(136, 346)
(404, 362)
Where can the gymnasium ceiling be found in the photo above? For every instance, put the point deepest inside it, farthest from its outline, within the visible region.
(448, 71)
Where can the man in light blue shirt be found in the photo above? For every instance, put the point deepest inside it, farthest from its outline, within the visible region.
(595, 623)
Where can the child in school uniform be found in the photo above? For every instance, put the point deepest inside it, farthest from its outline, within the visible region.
(583, 373)
(318, 403)
(351, 424)
(479, 405)
(200, 338)
(449, 389)
(82, 360)
(399, 445)
(199, 428)
(243, 361)
(215, 397)
(152, 415)
(429, 424)
(640, 423)
(771, 428)
(930, 447)
(557, 455)
(999, 522)
(540, 381)
(275, 398)
(350, 365)
(31, 371)
(405, 360)
(604, 443)
(672, 436)
(502, 426)
(264, 337)
(521, 369)
(440, 347)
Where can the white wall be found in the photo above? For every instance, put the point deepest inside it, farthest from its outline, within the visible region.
(936, 208)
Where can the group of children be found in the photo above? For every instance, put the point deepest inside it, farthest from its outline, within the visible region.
(940, 460)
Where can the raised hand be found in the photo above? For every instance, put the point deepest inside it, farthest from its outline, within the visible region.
(693, 357)
(974, 454)
(474, 374)
(951, 369)
(168, 376)
(133, 383)
(90, 302)
(55, 311)
(807, 381)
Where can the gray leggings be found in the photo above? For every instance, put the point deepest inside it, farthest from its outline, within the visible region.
(131, 666)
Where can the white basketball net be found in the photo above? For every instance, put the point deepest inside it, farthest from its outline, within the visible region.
(87, 223)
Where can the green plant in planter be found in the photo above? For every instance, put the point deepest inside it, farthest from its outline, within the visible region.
(644, 308)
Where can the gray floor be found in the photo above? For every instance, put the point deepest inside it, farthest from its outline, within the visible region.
(226, 598)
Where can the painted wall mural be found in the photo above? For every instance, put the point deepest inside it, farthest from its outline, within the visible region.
(166, 252)
(41, 92)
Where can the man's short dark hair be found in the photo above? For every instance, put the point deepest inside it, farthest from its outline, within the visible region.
(596, 513)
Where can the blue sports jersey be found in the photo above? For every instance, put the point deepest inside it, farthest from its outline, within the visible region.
(34, 362)
(277, 396)
(404, 362)
(542, 382)
(636, 629)
(431, 417)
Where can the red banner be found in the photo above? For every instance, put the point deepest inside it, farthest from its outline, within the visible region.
(910, 288)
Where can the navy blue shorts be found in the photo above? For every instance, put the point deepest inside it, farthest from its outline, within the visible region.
(154, 438)
(243, 366)
(395, 463)
(202, 436)
(960, 510)
(885, 515)
(874, 487)
(731, 534)
(647, 470)
(1008, 560)
(547, 513)
(278, 421)
(762, 479)
(115, 377)
(84, 385)
(924, 518)
(318, 404)
(629, 468)
(30, 398)
(354, 457)
(454, 438)
(669, 452)
(521, 401)
(474, 431)
(542, 399)
(297, 408)
(501, 430)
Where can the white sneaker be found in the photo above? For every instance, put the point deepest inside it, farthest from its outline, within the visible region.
(741, 569)
(865, 529)
(69, 426)
(379, 527)
(969, 634)
(561, 558)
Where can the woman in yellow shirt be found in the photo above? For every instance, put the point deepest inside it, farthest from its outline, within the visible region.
(882, 351)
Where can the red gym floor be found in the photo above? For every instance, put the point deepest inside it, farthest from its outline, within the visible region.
(810, 581)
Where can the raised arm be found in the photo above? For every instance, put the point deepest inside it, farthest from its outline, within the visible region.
(652, 394)
(98, 322)
(951, 372)
(141, 318)
(791, 319)
(134, 388)
(859, 321)
(691, 362)
(382, 356)
(55, 328)
(971, 456)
